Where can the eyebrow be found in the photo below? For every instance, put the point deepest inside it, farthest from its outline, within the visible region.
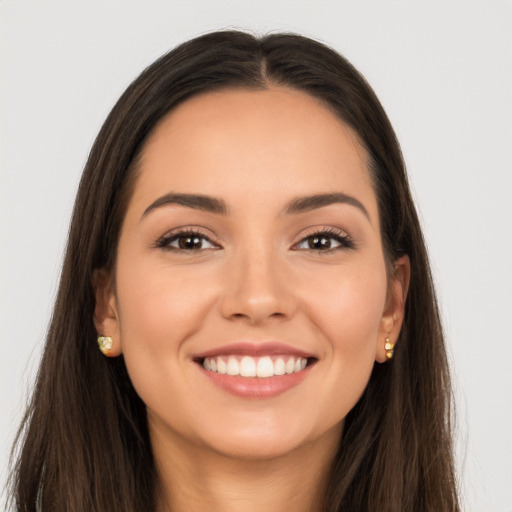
(196, 201)
(218, 206)
(308, 203)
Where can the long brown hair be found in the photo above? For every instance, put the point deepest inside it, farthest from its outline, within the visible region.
(84, 444)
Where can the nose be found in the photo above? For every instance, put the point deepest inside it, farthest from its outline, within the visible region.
(258, 287)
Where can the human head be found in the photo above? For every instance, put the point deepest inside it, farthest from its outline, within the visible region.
(238, 60)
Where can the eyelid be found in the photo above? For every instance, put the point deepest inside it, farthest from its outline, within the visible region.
(340, 235)
(173, 234)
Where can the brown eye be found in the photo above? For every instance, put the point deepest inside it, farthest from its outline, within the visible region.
(319, 242)
(190, 242)
(186, 241)
(324, 242)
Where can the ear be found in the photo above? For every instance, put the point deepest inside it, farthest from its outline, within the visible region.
(393, 316)
(106, 316)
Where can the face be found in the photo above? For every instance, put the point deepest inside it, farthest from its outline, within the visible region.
(251, 296)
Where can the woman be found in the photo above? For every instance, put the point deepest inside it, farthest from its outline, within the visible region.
(245, 249)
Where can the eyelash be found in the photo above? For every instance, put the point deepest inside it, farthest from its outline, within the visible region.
(345, 242)
(165, 241)
(339, 236)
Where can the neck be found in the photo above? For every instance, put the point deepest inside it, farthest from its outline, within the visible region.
(194, 479)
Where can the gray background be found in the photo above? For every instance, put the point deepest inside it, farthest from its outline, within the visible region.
(443, 71)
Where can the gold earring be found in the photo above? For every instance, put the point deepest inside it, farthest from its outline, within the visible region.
(105, 343)
(390, 348)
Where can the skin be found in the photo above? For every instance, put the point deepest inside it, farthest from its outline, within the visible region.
(253, 278)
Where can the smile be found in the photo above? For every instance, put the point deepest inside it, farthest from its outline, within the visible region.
(256, 371)
(261, 367)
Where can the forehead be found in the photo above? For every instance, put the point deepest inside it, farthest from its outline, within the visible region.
(250, 144)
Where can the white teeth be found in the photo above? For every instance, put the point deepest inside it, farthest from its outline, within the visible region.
(289, 366)
(261, 367)
(265, 367)
(248, 367)
(222, 367)
(233, 367)
(279, 367)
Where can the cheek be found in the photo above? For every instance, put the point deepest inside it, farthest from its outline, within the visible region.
(341, 307)
(346, 307)
(158, 309)
(159, 303)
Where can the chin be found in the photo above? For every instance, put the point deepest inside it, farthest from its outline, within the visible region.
(267, 440)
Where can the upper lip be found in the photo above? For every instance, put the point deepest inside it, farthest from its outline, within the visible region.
(254, 350)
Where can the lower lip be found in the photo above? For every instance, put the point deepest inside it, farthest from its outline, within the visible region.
(254, 387)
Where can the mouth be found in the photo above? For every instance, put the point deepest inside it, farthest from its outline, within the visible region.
(263, 367)
(261, 371)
